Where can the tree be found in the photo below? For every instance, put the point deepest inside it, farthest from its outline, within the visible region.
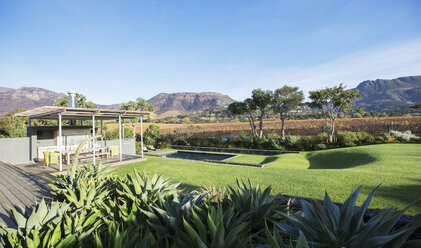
(417, 106)
(245, 108)
(261, 99)
(81, 102)
(151, 135)
(284, 100)
(131, 105)
(139, 104)
(12, 126)
(332, 101)
(257, 105)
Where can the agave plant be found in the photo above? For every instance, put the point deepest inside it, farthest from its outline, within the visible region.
(167, 220)
(213, 227)
(275, 240)
(145, 191)
(116, 236)
(86, 190)
(330, 226)
(52, 225)
(97, 176)
(257, 205)
(29, 227)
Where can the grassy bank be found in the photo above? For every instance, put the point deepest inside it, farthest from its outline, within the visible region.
(397, 167)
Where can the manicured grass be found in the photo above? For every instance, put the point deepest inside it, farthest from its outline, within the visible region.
(397, 167)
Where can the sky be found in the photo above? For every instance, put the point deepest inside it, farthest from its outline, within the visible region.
(116, 51)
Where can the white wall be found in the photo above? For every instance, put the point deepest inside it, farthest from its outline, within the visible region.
(15, 150)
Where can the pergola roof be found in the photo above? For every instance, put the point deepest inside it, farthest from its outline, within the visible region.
(68, 113)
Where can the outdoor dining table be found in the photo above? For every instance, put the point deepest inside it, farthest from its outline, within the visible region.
(98, 151)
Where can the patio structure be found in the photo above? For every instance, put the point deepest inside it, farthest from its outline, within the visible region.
(65, 139)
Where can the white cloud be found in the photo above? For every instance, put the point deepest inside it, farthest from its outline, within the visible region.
(385, 62)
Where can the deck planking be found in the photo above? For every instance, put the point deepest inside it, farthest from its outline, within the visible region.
(21, 186)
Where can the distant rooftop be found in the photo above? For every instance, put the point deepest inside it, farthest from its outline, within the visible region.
(68, 113)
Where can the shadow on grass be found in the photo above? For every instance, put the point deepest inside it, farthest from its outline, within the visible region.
(270, 159)
(338, 159)
(406, 193)
(187, 188)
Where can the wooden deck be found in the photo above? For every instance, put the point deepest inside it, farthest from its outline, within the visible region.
(21, 186)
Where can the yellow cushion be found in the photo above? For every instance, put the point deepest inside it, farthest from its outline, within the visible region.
(46, 158)
(53, 158)
(114, 151)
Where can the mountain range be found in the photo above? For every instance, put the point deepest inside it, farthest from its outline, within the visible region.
(389, 95)
(380, 95)
(26, 98)
(183, 102)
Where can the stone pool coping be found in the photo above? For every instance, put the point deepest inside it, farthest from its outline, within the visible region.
(164, 155)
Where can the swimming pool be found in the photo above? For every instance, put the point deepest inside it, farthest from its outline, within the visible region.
(200, 156)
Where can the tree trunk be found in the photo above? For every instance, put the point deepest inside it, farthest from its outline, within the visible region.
(331, 130)
(283, 117)
(252, 125)
(261, 126)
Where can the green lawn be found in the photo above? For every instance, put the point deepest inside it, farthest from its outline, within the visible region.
(397, 167)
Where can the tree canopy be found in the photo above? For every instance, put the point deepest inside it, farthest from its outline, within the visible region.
(331, 102)
(257, 105)
(284, 100)
(81, 102)
(139, 104)
(12, 126)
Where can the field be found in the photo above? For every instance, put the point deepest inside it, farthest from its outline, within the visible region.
(340, 171)
(374, 126)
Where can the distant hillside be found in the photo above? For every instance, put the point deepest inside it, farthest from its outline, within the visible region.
(188, 102)
(26, 97)
(111, 106)
(390, 95)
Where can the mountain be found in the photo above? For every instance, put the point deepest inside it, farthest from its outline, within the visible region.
(115, 106)
(183, 102)
(26, 97)
(390, 95)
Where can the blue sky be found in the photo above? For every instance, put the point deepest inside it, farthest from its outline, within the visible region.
(115, 51)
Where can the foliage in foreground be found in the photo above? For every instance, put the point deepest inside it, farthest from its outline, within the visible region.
(96, 209)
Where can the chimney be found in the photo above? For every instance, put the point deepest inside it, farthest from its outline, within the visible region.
(72, 98)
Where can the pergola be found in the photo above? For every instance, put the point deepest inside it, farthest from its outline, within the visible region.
(69, 113)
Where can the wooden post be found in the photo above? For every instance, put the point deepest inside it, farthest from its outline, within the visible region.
(30, 137)
(102, 135)
(60, 155)
(141, 135)
(119, 132)
(93, 135)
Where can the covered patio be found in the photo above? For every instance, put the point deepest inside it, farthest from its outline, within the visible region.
(96, 149)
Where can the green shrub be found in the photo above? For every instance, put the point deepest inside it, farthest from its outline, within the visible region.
(151, 135)
(364, 138)
(291, 142)
(346, 138)
(324, 138)
(114, 134)
(242, 141)
(180, 143)
(304, 143)
(320, 147)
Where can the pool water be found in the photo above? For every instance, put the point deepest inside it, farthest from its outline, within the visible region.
(200, 156)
